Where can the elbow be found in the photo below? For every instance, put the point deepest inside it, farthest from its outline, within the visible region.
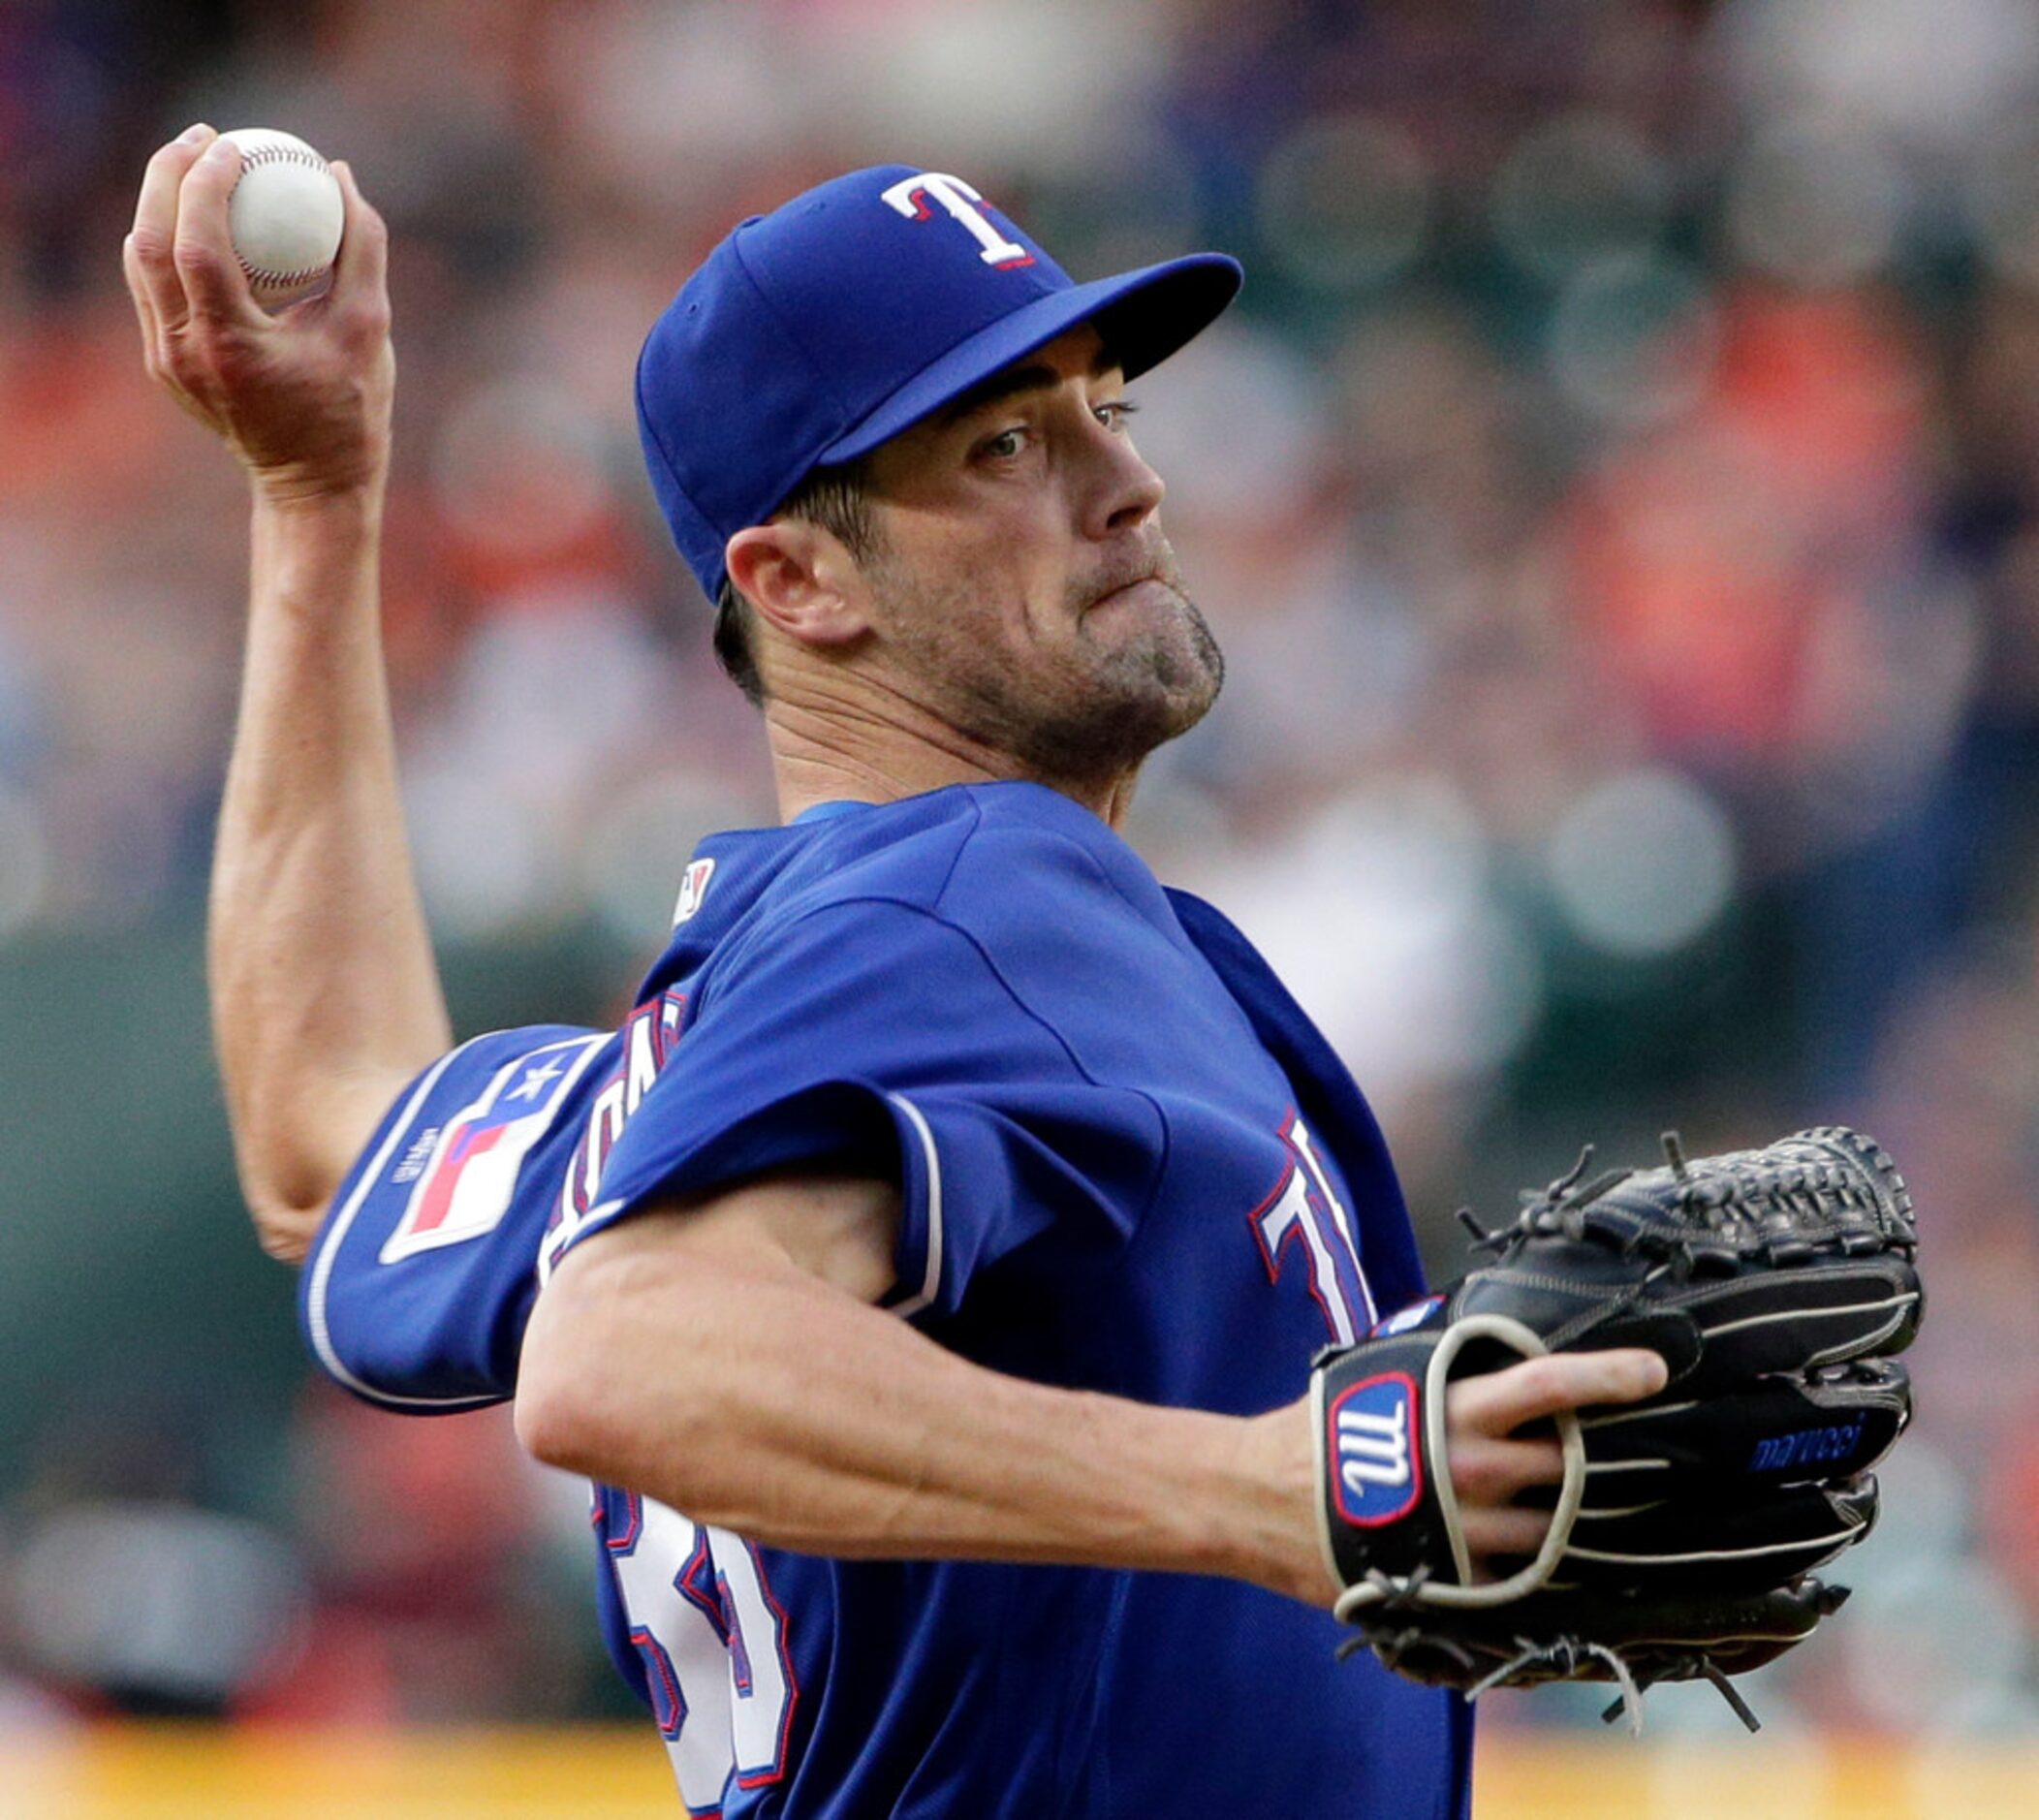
(284, 1228)
(554, 1418)
(293, 1150)
(286, 1200)
(568, 1411)
(583, 1407)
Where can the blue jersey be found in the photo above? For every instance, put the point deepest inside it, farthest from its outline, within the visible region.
(1130, 1165)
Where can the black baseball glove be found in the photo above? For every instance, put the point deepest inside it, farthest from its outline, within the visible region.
(1775, 1283)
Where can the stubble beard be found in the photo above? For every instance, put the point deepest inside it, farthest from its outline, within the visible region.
(1093, 708)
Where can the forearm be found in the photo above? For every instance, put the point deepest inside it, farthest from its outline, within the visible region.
(325, 992)
(750, 1394)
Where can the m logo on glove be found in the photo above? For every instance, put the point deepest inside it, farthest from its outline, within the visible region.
(1372, 1437)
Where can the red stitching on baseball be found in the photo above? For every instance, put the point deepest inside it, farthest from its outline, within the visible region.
(269, 154)
(280, 154)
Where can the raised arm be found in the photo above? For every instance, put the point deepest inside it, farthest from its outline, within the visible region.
(326, 996)
(724, 1360)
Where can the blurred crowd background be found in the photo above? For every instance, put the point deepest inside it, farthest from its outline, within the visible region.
(1616, 492)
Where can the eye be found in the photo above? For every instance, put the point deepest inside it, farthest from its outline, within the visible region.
(1114, 415)
(1004, 446)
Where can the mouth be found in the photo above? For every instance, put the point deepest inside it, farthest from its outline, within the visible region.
(1138, 584)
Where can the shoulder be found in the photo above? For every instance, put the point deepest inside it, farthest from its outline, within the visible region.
(1005, 899)
(999, 865)
(1032, 844)
(1065, 912)
(961, 913)
(994, 859)
(926, 850)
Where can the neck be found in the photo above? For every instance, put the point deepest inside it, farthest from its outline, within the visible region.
(838, 750)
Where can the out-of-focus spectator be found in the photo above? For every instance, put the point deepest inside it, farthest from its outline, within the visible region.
(430, 1598)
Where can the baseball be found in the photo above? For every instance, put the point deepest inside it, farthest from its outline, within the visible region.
(285, 215)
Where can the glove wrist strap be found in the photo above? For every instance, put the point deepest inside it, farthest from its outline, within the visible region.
(1388, 1511)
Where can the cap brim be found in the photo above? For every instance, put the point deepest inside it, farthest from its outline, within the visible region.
(1144, 316)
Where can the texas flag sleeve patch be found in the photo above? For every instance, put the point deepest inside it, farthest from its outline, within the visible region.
(464, 1174)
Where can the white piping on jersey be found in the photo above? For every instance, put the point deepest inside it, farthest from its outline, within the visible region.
(336, 1236)
(931, 1278)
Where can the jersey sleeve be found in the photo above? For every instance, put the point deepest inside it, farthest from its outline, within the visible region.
(420, 1280)
(875, 1036)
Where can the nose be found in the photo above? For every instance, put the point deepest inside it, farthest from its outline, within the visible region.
(1123, 491)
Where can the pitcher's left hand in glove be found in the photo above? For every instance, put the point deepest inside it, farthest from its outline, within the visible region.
(1774, 1283)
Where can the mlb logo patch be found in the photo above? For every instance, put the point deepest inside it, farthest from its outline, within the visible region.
(1376, 1464)
(693, 888)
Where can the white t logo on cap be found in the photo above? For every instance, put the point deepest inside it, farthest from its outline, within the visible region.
(909, 196)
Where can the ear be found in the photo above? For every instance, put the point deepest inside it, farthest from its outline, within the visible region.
(801, 580)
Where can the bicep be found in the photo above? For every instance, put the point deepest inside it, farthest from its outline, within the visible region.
(831, 1228)
(645, 1327)
(841, 1229)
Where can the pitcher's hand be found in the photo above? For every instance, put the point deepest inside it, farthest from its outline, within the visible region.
(1490, 1463)
(301, 397)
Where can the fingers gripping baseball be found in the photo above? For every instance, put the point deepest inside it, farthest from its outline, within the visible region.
(302, 399)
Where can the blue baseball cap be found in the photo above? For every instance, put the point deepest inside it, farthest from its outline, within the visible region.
(814, 333)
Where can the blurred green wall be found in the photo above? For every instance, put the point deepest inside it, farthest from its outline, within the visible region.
(127, 1264)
